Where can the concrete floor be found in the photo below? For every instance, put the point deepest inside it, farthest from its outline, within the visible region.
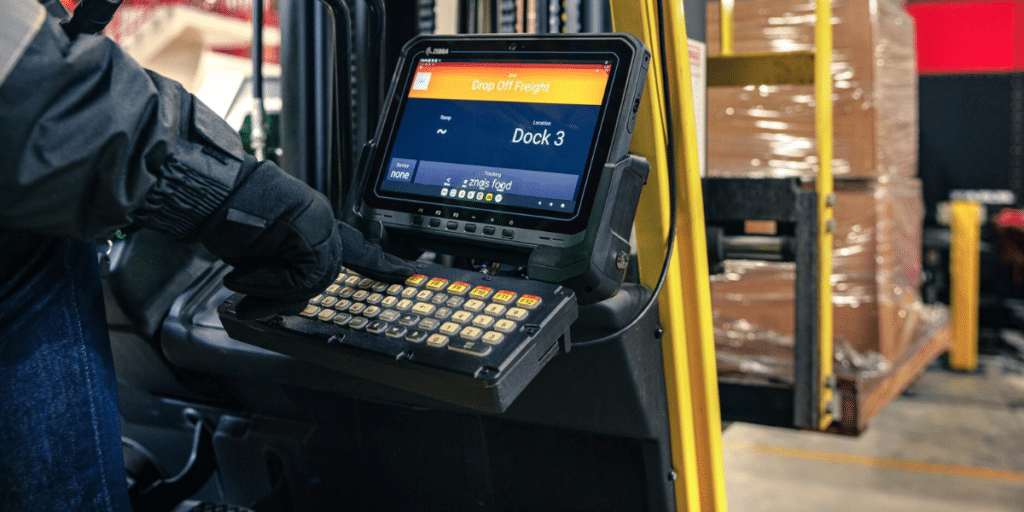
(953, 442)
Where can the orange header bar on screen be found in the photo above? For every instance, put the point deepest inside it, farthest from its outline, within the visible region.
(573, 84)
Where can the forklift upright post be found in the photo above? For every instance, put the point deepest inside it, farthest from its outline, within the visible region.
(685, 302)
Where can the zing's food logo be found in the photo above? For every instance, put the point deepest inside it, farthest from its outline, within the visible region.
(437, 51)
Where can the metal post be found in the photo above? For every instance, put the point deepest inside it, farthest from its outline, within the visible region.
(826, 199)
(685, 303)
(964, 276)
(727, 9)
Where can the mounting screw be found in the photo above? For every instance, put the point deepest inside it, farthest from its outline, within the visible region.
(830, 226)
(334, 339)
(658, 333)
(276, 321)
(830, 200)
(672, 476)
(621, 260)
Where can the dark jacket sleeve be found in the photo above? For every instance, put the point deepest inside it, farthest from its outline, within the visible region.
(90, 142)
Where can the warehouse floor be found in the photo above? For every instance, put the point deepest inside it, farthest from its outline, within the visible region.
(952, 442)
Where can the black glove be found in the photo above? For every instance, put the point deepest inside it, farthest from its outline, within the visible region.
(285, 245)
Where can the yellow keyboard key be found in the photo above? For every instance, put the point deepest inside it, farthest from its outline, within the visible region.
(332, 289)
(424, 295)
(329, 301)
(462, 317)
(352, 280)
(504, 297)
(437, 340)
(481, 292)
(449, 328)
(474, 305)
(437, 284)
(495, 310)
(517, 314)
(394, 289)
(528, 301)
(471, 333)
(415, 280)
(483, 321)
(458, 288)
(389, 301)
(493, 338)
(422, 308)
(310, 311)
(505, 325)
(404, 305)
(327, 314)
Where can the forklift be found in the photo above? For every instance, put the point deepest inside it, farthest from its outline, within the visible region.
(605, 399)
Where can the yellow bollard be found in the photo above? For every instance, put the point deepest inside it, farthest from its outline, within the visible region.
(964, 269)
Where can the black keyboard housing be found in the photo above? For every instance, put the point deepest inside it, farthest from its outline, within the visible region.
(486, 383)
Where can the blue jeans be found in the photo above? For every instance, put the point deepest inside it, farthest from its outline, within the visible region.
(60, 436)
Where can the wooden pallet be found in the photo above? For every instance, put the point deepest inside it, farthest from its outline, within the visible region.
(863, 399)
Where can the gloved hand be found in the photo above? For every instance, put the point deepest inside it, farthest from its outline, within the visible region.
(284, 243)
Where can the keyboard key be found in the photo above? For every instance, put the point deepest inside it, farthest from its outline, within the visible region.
(329, 301)
(357, 308)
(332, 289)
(396, 331)
(404, 305)
(528, 301)
(379, 287)
(495, 310)
(327, 315)
(342, 319)
(341, 278)
(428, 324)
(442, 313)
(395, 289)
(310, 311)
(342, 305)
(504, 297)
(439, 298)
(455, 302)
(415, 280)
(449, 328)
(473, 348)
(422, 308)
(352, 280)
(365, 283)
(437, 340)
(483, 321)
(424, 295)
(437, 284)
(474, 305)
(389, 301)
(358, 323)
(409, 320)
(409, 292)
(481, 292)
(360, 296)
(374, 298)
(372, 312)
(470, 333)
(346, 292)
(377, 327)
(505, 325)
(517, 314)
(416, 336)
(458, 288)
(389, 315)
(493, 338)
(462, 317)
(315, 301)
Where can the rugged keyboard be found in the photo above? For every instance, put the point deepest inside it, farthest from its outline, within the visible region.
(459, 336)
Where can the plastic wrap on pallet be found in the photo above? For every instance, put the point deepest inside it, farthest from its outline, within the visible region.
(878, 315)
(768, 130)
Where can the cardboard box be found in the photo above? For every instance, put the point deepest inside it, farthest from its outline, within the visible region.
(768, 131)
(876, 275)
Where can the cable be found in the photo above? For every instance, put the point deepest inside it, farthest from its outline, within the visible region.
(257, 133)
(671, 241)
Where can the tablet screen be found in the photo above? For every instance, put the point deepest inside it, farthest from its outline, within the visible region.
(498, 135)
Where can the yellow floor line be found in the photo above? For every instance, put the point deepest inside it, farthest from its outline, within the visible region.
(895, 464)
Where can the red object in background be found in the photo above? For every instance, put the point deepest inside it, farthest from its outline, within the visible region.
(969, 36)
(134, 13)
